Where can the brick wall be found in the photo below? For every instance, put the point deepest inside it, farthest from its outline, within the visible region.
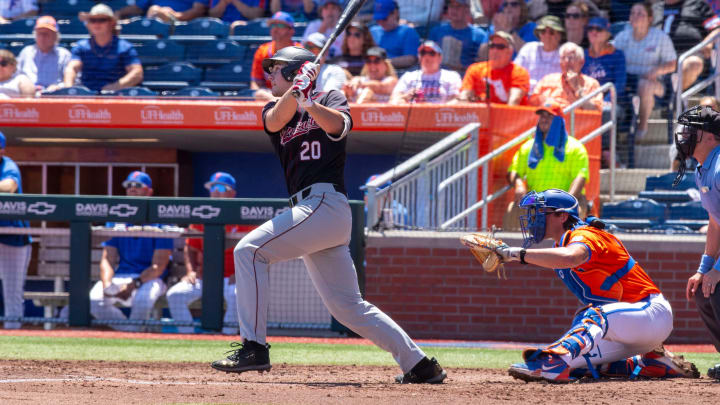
(434, 288)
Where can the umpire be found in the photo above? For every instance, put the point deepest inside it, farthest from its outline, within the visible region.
(698, 136)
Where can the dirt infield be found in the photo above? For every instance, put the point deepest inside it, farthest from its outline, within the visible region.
(64, 382)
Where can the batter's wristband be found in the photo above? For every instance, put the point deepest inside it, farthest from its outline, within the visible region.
(717, 265)
(137, 282)
(706, 263)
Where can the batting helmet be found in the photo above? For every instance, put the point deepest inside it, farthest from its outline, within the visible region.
(294, 56)
(692, 120)
(533, 223)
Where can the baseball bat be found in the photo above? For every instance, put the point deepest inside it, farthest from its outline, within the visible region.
(348, 14)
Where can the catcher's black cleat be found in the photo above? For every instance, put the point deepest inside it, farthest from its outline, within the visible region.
(425, 372)
(249, 356)
(714, 372)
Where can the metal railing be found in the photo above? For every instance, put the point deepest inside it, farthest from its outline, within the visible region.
(409, 201)
(682, 96)
(461, 176)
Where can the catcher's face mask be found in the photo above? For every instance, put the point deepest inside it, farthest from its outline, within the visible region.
(533, 223)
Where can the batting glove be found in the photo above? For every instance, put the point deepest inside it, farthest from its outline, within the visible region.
(310, 70)
(508, 254)
(301, 90)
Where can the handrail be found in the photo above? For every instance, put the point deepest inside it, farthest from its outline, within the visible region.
(684, 95)
(610, 125)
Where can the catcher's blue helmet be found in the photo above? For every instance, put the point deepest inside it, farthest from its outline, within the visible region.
(533, 223)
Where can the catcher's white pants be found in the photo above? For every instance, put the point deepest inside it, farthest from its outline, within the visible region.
(13, 270)
(318, 230)
(182, 294)
(632, 328)
(141, 301)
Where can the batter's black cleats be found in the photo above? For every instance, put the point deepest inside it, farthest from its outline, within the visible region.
(249, 356)
(714, 372)
(425, 372)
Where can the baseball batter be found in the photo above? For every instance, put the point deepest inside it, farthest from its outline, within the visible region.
(625, 314)
(698, 136)
(308, 131)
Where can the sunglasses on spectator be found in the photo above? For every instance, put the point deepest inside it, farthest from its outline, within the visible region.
(135, 184)
(428, 53)
(510, 4)
(373, 61)
(98, 20)
(4, 63)
(497, 46)
(574, 16)
(278, 26)
(356, 34)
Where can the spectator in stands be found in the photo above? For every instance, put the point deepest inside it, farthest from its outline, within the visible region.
(557, 8)
(499, 78)
(13, 83)
(106, 61)
(576, 17)
(300, 10)
(687, 23)
(605, 64)
(131, 268)
(15, 250)
(649, 55)
(399, 40)
(330, 76)
(376, 80)
(458, 39)
(44, 61)
(329, 11)
(551, 160)
(570, 84)
(421, 12)
(430, 83)
(542, 58)
(513, 18)
(189, 289)
(231, 11)
(17, 9)
(354, 47)
(282, 29)
(165, 10)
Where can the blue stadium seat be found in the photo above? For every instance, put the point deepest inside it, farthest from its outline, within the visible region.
(137, 91)
(215, 53)
(637, 213)
(19, 26)
(617, 27)
(254, 28)
(688, 210)
(172, 75)
(71, 91)
(203, 27)
(65, 8)
(72, 26)
(228, 77)
(672, 229)
(146, 26)
(160, 51)
(666, 196)
(119, 4)
(196, 92)
(664, 182)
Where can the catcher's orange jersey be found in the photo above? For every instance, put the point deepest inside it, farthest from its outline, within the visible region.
(609, 275)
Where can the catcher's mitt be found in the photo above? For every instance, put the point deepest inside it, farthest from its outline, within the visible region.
(484, 247)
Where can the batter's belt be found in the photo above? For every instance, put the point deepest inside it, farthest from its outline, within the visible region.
(317, 188)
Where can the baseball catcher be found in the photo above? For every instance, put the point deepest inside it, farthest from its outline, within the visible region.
(625, 320)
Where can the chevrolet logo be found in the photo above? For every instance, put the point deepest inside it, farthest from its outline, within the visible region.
(123, 210)
(205, 211)
(41, 208)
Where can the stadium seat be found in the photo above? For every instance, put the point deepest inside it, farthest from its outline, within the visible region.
(639, 213)
(137, 91)
(196, 92)
(666, 196)
(146, 26)
(160, 51)
(72, 26)
(617, 27)
(254, 28)
(664, 182)
(228, 77)
(182, 72)
(672, 229)
(215, 53)
(71, 91)
(687, 210)
(65, 8)
(203, 27)
(19, 26)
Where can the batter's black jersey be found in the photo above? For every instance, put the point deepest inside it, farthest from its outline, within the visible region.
(307, 153)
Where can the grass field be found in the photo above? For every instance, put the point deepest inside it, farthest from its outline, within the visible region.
(203, 351)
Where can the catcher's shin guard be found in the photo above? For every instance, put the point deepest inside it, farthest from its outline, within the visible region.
(580, 339)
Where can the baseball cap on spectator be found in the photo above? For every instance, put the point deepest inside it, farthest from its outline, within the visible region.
(383, 8)
(137, 179)
(504, 36)
(551, 108)
(376, 52)
(47, 22)
(2, 140)
(431, 45)
(220, 181)
(317, 39)
(322, 3)
(599, 22)
(549, 21)
(281, 17)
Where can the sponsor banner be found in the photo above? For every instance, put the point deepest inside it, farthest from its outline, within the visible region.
(32, 207)
(219, 211)
(19, 113)
(115, 209)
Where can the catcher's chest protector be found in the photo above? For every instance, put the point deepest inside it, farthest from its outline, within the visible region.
(609, 275)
